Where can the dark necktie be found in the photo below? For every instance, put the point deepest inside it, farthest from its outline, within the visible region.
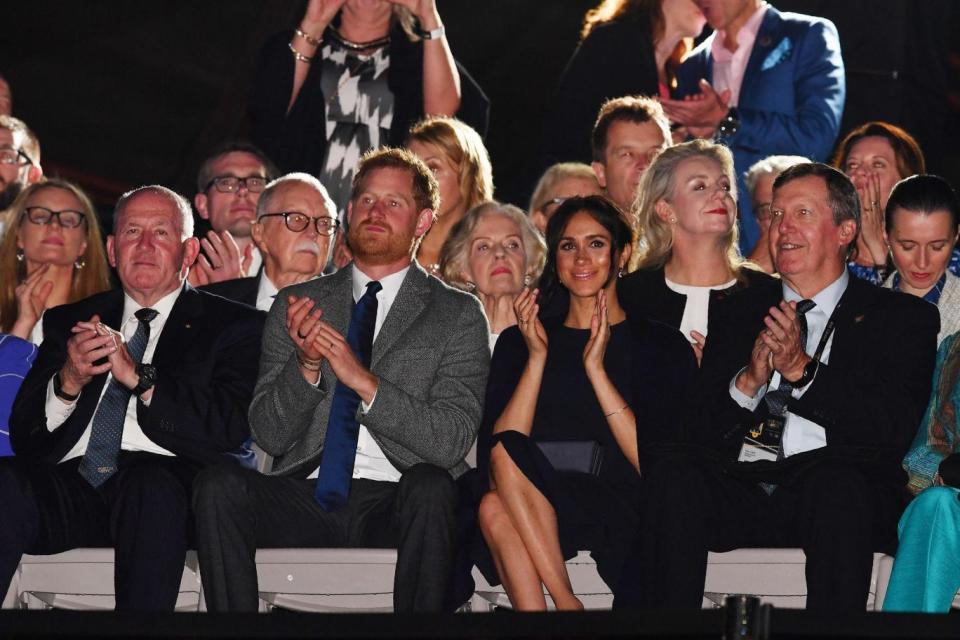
(343, 428)
(777, 399)
(100, 460)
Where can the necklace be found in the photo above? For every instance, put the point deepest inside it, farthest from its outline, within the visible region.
(359, 46)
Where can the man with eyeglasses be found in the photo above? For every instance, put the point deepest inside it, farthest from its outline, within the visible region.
(19, 159)
(369, 398)
(229, 185)
(296, 222)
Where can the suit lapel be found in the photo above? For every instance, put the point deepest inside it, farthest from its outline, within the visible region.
(410, 303)
(337, 302)
(768, 37)
(178, 330)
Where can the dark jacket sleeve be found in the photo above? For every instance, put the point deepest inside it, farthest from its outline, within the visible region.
(199, 407)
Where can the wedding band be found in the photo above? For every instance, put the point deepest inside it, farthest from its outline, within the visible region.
(875, 203)
(331, 346)
(300, 335)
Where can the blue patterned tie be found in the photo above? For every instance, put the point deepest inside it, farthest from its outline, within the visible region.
(100, 460)
(340, 445)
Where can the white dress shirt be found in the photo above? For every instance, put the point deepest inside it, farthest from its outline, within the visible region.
(266, 292)
(730, 67)
(800, 434)
(370, 462)
(133, 438)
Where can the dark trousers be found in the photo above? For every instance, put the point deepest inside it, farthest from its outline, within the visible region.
(835, 513)
(143, 511)
(239, 511)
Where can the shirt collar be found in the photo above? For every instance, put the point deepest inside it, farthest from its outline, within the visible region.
(745, 37)
(828, 297)
(932, 296)
(163, 306)
(391, 285)
(266, 288)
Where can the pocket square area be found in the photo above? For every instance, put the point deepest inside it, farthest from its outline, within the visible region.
(780, 53)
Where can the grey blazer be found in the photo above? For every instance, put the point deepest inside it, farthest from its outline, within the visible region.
(431, 358)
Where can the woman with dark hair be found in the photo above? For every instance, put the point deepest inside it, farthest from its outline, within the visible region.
(627, 47)
(354, 76)
(922, 219)
(685, 257)
(561, 392)
(875, 156)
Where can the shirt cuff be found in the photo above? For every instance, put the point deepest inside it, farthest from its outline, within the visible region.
(364, 407)
(57, 410)
(743, 399)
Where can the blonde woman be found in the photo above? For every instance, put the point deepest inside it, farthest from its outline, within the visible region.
(461, 164)
(494, 252)
(559, 182)
(51, 254)
(685, 253)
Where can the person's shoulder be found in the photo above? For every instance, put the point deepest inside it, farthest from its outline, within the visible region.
(655, 334)
(449, 296)
(614, 31)
(800, 23)
(230, 288)
(82, 309)
(897, 308)
(223, 308)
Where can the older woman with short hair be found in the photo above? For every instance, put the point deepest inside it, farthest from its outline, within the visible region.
(759, 180)
(493, 252)
(559, 182)
(685, 256)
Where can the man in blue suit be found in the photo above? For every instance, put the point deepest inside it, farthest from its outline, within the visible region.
(764, 83)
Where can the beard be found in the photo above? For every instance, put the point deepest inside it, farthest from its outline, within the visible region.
(8, 195)
(384, 247)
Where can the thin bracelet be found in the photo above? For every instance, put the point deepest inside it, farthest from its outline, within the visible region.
(306, 36)
(620, 410)
(299, 57)
(309, 365)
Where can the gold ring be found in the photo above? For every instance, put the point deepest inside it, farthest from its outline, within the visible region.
(300, 335)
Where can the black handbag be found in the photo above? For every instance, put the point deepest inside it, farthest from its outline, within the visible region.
(583, 456)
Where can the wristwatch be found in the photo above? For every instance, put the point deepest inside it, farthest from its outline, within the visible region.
(433, 34)
(59, 392)
(148, 378)
(809, 371)
(730, 124)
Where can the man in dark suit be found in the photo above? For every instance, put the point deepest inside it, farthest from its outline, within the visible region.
(296, 222)
(368, 431)
(765, 83)
(132, 392)
(804, 436)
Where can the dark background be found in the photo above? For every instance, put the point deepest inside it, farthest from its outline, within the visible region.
(127, 93)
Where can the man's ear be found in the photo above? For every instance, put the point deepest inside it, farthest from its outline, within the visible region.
(200, 202)
(423, 222)
(111, 246)
(34, 174)
(256, 234)
(191, 249)
(601, 172)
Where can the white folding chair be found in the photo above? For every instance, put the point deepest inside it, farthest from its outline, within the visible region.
(82, 579)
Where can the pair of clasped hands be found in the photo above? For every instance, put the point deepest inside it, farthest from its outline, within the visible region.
(91, 343)
(777, 348)
(528, 319)
(316, 341)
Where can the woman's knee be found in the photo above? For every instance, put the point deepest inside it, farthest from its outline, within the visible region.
(491, 514)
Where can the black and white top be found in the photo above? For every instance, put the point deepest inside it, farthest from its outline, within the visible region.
(359, 112)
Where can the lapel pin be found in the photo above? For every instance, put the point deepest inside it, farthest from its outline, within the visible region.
(858, 318)
(187, 326)
(766, 41)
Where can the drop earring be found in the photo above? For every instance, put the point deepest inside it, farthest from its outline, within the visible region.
(20, 256)
(527, 280)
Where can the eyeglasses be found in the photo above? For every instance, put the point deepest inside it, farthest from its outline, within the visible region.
(551, 205)
(14, 156)
(297, 222)
(232, 184)
(67, 219)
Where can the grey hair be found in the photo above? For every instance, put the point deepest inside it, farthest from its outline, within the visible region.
(553, 176)
(266, 198)
(769, 166)
(453, 254)
(181, 203)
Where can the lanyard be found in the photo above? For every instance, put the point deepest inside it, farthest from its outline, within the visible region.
(831, 325)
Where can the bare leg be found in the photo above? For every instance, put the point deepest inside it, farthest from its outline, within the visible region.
(535, 521)
(519, 576)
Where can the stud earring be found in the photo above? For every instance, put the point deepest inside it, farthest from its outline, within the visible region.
(527, 280)
(673, 221)
(20, 256)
